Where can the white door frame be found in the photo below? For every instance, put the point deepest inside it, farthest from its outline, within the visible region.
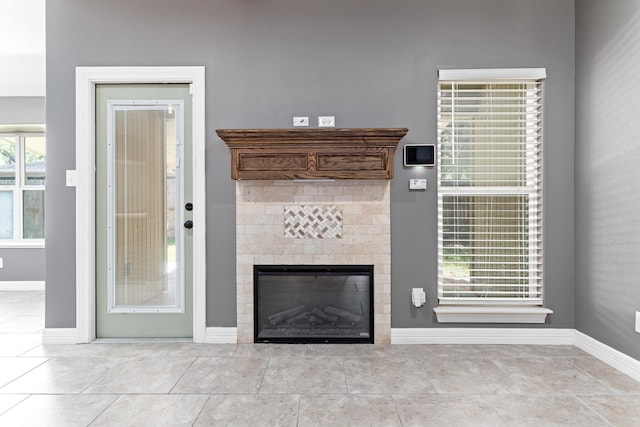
(86, 80)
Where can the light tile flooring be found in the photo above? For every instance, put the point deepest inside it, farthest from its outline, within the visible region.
(184, 384)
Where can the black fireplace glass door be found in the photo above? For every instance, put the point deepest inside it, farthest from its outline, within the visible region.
(300, 304)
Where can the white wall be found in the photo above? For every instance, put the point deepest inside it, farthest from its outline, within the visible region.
(22, 48)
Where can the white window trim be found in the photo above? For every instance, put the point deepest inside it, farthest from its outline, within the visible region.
(491, 314)
(460, 313)
(22, 244)
(485, 74)
(86, 80)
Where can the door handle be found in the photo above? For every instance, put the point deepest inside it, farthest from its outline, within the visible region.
(188, 206)
(188, 224)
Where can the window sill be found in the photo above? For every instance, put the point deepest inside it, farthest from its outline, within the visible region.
(22, 244)
(488, 314)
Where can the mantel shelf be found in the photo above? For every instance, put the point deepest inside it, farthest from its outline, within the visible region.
(333, 153)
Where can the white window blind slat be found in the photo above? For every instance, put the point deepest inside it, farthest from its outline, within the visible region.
(490, 187)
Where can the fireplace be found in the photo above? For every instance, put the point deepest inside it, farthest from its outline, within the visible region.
(350, 224)
(313, 197)
(313, 303)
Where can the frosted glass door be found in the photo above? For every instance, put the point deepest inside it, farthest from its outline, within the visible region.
(144, 187)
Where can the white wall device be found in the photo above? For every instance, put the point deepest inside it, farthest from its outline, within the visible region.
(419, 154)
(418, 184)
(326, 121)
(418, 297)
(301, 121)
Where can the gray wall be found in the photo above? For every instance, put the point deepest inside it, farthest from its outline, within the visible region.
(371, 63)
(607, 171)
(16, 110)
(21, 264)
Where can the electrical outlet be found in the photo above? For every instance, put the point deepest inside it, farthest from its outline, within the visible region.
(300, 121)
(326, 121)
(1, 263)
(638, 322)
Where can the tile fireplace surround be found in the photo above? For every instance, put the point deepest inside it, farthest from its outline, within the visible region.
(325, 222)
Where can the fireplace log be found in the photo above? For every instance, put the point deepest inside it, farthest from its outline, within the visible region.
(324, 316)
(345, 315)
(276, 318)
(305, 316)
(315, 320)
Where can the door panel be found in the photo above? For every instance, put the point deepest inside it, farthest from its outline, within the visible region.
(143, 263)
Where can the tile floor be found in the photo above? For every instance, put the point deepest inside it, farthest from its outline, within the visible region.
(184, 384)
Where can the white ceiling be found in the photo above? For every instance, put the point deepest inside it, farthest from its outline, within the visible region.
(22, 47)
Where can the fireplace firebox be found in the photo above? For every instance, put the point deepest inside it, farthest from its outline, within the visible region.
(313, 304)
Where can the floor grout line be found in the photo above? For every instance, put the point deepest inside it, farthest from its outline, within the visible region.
(396, 398)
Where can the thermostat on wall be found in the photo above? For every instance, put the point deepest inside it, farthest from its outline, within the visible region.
(419, 155)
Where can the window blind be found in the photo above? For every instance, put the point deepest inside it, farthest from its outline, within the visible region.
(489, 190)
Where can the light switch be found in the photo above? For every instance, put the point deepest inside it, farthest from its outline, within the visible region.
(72, 178)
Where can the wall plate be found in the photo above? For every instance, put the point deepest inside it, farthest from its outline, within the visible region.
(326, 121)
(417, 184)
(71, 178)
(300, 121)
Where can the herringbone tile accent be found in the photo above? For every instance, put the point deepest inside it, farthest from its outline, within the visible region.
(313, 222)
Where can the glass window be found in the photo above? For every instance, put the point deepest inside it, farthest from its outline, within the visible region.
(490, 192)
(6, 214)
(22, 179)
(34, 156)
(33, 214)
(7, 160)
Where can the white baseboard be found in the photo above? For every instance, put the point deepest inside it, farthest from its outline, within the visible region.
(221, 335)
(22, 285)
(623, 363)
(59, 336)
(539, 336)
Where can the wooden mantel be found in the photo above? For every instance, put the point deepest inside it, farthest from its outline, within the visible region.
(303, 153)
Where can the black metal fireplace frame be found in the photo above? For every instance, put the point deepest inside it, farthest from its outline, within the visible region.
(313, 270)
